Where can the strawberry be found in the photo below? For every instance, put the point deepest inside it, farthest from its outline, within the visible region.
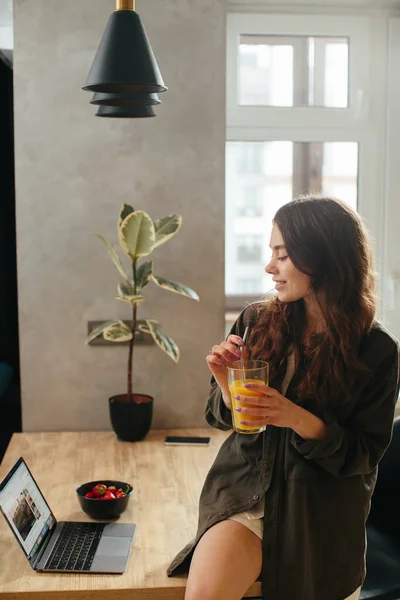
(99, 489)
(89, 495)
(108, 496)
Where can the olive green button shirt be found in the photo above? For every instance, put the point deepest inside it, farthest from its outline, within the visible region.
(316, 493)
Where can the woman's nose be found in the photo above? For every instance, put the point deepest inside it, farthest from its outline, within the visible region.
(271, 268)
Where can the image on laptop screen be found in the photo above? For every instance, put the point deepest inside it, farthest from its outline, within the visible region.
(26, 510)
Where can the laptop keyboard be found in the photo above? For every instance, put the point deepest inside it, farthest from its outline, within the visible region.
(75, 547)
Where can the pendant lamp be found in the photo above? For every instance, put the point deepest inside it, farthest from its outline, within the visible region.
(124, 62)
(124, 99)
(125, 111)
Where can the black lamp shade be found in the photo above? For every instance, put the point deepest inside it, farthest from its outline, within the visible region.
(124, 62)
(125, 99)
(125, 112)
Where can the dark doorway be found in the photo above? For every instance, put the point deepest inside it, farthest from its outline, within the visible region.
(10, 400)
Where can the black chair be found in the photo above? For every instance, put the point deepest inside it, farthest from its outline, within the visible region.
(383, 528)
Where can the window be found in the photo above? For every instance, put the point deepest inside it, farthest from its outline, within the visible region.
(249, 158)
(297, 70)
(249, 202)
(293, 71)
(300, 106)
(286, 169)
(248, 285)
(339, 171)
(249, 248)
(265, 72)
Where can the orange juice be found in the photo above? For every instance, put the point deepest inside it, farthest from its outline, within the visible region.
(236, 388)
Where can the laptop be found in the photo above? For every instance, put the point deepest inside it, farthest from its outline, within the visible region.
(65, 546)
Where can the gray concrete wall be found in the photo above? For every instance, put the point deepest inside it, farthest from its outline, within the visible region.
(74, 170)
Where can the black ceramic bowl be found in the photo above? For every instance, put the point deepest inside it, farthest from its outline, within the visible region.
(103, 509)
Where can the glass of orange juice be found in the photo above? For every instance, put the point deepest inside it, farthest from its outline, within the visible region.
(253, 371)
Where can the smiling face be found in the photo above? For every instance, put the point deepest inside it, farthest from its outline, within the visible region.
(290, 283)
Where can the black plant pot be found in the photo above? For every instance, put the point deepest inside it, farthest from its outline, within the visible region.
(131, 421)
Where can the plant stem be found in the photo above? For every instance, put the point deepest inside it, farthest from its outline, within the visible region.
(132, 341)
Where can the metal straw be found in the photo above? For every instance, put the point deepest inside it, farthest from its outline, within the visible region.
(241, 354)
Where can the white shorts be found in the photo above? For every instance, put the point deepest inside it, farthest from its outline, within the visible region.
(257, 527)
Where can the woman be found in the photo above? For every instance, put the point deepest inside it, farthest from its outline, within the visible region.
(290, 504)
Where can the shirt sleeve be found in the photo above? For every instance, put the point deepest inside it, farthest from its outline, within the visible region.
(217, 414)
(355, 448)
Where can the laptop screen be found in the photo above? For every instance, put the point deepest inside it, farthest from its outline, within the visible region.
(25, 509)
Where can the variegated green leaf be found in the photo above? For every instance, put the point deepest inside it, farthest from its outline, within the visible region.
(174, 286)
(144, 328)
(98, 330)
(126, 210)
(131, 299)
(118, 332)
(166, 343)
(166, 227)
(115, 258)
(137, 235)
(125, 289)
(144, 273)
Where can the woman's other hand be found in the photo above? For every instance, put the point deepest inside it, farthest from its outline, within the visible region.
(274, 409)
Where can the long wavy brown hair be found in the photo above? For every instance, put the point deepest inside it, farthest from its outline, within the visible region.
(326, 240)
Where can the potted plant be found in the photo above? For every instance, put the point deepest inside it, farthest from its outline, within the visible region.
(138, 236)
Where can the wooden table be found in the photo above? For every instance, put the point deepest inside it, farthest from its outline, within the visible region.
(167, 482)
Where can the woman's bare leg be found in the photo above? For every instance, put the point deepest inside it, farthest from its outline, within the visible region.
(226, 561)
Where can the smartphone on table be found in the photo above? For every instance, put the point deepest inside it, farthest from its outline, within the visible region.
(180, 440)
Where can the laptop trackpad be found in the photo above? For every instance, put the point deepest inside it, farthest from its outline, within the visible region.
(111, 555)
(113, 546)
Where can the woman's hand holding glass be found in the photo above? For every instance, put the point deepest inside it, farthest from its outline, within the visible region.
(275, 409)
(219, 358)
(272, 407)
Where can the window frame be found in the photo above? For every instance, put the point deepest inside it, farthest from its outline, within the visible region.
(356, 29)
